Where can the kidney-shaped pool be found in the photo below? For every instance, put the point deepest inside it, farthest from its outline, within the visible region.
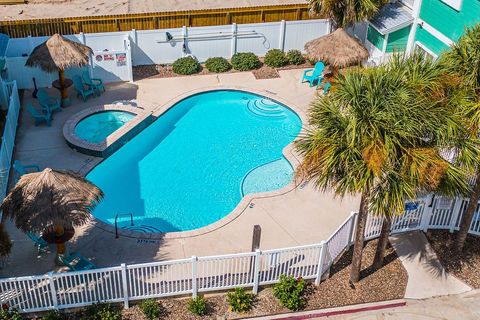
(194, 164)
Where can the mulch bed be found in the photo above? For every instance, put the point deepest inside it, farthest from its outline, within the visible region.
(466, 265)
(265, 72)
(387, 283)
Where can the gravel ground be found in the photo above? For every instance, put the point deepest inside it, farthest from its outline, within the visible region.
(464, 266)
(387, 283)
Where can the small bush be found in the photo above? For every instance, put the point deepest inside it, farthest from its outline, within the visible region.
(53, 315)
(295, 57)
(217, 65)
(198, 306)
(101, 311)
(9, 314)
(290, 292)
(275, 58)
(239, 300)
(245, 61)
(186, 66)
(151, 308)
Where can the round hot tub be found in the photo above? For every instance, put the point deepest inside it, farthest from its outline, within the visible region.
(98, 126)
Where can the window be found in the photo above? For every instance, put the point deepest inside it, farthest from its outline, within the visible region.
(426, 52)
(455, 4)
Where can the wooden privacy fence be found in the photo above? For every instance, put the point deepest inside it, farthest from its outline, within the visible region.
(156, 20)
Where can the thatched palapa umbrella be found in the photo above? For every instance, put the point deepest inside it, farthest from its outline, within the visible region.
(338, 49)
(51, 200)
(57, 54)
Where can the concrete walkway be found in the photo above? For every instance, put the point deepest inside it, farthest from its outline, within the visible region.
(426, 276)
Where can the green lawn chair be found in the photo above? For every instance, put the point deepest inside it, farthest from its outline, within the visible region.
(39, 117)
(48, 103)
(82, 90)
(19, 169)
(95, 83)
(40, 244)
(76, 262)
(315, 74)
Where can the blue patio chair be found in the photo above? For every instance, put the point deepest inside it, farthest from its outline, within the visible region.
(76, 262)
(95, 83)
(19, 169)
(82, 91)
(39, 117)
(315, 74)
(48, 103)
(326, 87)
(39, 242)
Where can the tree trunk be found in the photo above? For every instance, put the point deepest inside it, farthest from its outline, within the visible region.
(467, 216)
(359, 239)
(382, 243)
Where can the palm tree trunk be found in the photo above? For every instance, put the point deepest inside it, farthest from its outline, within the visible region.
(359, 239)
(382, 243)
(468, 216)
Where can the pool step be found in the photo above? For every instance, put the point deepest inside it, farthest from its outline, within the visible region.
(142, 228)
(266, 108)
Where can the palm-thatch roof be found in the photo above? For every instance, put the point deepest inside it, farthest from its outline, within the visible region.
(5, 243)
(59, 53)
(43, 199)
(338, 49)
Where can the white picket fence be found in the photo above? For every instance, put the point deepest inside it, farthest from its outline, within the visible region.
(127, 283)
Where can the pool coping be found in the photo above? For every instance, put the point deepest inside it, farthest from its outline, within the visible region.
(100, 149)
(288, 152)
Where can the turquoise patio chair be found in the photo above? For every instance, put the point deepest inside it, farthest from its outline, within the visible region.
(19, 169)
(39, 242)
(76, 262)
(48, 103)
(39, 117)
(80, 88)
(326, 86)
(95, 83)
(315, 74)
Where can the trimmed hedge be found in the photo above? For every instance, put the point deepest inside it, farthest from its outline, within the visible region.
(275, 58)
(186, 66)
(295, 57)
(217, 65)
(245, 61)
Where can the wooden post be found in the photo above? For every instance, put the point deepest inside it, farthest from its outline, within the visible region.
(257, 233)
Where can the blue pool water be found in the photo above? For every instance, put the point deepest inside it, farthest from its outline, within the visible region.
(98, 126)
(193, 165)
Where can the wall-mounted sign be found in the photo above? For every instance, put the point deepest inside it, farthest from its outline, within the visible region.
(108, 57)
(99, 57)
(121, 59)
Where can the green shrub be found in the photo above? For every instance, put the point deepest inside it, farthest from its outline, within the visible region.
(295, 57)
(9, 314)
(239, 300)
(217, 64)
(198, 306)
(290, 292)
(53, 315)
(244, 61)
(275, 58)
(186, 65)
(101, 311)
(151, 308)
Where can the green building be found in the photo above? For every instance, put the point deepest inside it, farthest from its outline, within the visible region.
(427, 25)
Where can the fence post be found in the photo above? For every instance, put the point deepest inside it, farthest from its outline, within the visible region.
(233, 47)
(321, 259)
(256, 271)
(281, 41)
(194, 277)
(353, 216)
(53, 291)
(185, 41)
(427, 213)
(455, 213)
(124, 285)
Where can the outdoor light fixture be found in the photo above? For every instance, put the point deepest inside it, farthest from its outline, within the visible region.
(168, 36)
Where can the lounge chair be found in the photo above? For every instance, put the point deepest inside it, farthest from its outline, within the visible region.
(20, 169)
(48, 103)
(40, 244)
(39, 117)
(326, 87)
(95, 83)
(82, 90)
(76, 262)
(315, 74)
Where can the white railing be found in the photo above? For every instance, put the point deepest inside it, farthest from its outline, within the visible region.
(127, 283)
(8, 138)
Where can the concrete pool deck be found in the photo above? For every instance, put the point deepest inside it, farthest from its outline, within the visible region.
(297, 216)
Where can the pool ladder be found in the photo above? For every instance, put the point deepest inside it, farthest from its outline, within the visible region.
(116, 222)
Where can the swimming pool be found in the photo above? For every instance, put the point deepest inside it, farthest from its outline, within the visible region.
(98, 126)
(193, 165)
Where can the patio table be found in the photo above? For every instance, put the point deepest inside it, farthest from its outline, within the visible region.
(67, 83)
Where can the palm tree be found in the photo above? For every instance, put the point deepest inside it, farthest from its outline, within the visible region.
(463, 61)
(345, 13)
